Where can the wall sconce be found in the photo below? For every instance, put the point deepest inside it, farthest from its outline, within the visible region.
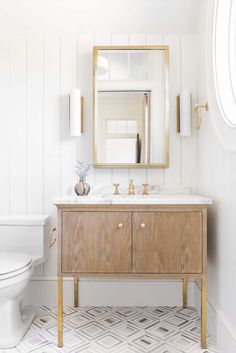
(76, 112)
(183, 113)
(197, 120)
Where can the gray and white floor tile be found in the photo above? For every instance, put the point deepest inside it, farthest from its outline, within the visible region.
(115, 330)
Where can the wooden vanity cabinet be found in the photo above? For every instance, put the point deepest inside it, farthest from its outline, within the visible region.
(131, 242)
(95, 242)
(148, 241)
(167, 242)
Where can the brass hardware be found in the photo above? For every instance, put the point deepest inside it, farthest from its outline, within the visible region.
(131, 187)
(82, 114)
(60, 311)
(120, 225)
(51, 240)
(76, 292)
(142, 225)
(116, 190)
(178, 114)
(185, 292)
(197, 119)
(165, 164)
(203, 314)
(145, 189)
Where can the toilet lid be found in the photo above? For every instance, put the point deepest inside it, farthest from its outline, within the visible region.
(11, 262)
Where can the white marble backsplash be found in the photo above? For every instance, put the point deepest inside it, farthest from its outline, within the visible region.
(138, 189)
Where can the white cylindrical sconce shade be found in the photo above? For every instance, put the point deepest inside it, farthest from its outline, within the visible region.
(75, 113)
(185, 113)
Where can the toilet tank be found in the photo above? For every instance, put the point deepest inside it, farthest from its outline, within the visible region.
(27, 234)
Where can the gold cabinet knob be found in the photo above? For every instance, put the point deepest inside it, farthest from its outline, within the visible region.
(142, 225)
(120, 225)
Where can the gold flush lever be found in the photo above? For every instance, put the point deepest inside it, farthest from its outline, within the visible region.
(51, 239)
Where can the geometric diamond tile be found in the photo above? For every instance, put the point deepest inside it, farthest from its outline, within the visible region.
(110, 320)
(126, 312)
(183, 342)
(92, 330)
(143, 320)
(45, 320)
(125, 331)
(165, 348)
(191, 313)
(146, 343)
(72, 340)
(193, 329)
(161, 330)
(32, 342)
(159, 312)
(109, 342)
(176, 321)
(115, 330)
(96, 312)
(78, 320)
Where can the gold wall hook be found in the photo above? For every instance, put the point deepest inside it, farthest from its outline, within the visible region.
(197, 119)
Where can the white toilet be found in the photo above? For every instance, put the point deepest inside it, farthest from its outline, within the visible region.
(23, 245)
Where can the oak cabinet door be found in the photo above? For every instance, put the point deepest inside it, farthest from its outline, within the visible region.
(167, 242)
(95, 242)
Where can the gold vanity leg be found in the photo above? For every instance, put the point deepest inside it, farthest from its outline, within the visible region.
(203, 315)
(76, 292)
(185, 292)
(60, 311)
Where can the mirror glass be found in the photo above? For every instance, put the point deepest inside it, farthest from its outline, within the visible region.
(131, 106)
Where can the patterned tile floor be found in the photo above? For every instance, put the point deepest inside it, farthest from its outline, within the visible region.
(115, 330)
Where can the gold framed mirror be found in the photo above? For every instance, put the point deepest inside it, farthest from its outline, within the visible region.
(131, 106)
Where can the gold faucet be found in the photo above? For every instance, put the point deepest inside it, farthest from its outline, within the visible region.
(131, 187)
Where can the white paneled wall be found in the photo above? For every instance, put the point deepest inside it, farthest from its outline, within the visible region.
(37, 155)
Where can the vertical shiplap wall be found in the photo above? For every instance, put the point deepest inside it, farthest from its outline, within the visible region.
(37, 155)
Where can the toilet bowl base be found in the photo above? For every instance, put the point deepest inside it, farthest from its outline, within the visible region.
(13, 339)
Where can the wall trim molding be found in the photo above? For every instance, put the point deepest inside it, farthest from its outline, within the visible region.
(109, 291)
(220, 315)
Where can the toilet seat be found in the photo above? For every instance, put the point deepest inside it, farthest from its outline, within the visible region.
(13, 264)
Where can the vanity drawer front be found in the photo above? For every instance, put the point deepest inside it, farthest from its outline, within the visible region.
(167, 242)
(96, 242)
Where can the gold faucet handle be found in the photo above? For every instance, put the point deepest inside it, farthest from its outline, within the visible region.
(116, 189)
(145, 189)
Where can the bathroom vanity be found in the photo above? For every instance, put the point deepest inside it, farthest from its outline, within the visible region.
(154, 236)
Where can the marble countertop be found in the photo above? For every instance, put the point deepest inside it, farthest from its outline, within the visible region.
(124, 199)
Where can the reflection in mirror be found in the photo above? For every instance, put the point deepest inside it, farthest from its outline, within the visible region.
(124, 127)
(131, 106)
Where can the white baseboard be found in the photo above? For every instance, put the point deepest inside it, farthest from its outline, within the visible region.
(220, 329)
(111, 292)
